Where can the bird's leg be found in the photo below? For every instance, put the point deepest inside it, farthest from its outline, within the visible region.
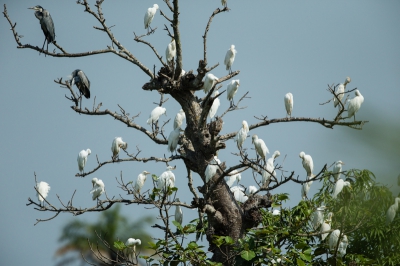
(43, 46)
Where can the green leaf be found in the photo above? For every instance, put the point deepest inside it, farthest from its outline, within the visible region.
(300, 245)
(178, 225)
(275, 205)
(119, 245)
(300, 262)
(305, 257)
(283, 196)
(229, 240)
(192, 245)
(319, 251)
(247, 254)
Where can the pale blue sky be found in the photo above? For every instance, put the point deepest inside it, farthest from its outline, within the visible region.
(290, 46)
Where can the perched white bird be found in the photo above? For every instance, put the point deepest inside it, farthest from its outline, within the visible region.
(288, 99)
(231, 90)
(232, 177)
(326, 226)
(140, 181)
(131, 246)
(239, 194)
(318, 217)
(340, 91)
(178, 212)
(148, 17)
(173, 139)
(214, 106)
(170, 52)
(82, 158)
(305, 188)
(355, 104)
(212, 168)
(42, 190)
(260, 147)
(98, 188)
(391, 212)
(166, 179)
(307, 164)
(266, 176)
(343, 246)
(209, 82)
(224, 3)
(276, 212)
(155, 114)
(116, 145)
(333, 239)
(242, 134)
(250, 190)
(337, 168)
(179, 119)
(339, 187)
(229, 58)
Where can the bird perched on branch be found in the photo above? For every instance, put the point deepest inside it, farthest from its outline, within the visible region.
(148, 17)
(46, 23)
(209, 82)
(116, 145)
(42, 190)
(232, 88)
(260, 147)
(155, 114)
(232, 177)
(229, 58)
(140, 181)
(355, 104)
(337, 169)
(179, 119)
(166, 179)
(170, 52)
(308, 163)
(238, 193)
(131, 247)
(266, 175)
(318, 217)
(340, 183)
(81, 81)
(212, 168)
(391, 212)
(178, 212)
(288, 99)
(82, 158)
(242, 134)
(340, 91)
(98, 188)
(214, 106)
(173, 139)
(326, 226)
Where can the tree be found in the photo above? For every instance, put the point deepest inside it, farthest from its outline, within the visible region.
(227, 221)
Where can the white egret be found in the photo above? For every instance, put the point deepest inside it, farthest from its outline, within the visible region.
(337, 169)
(212, 168)
(239, 194)
(173, 139)
(242, 134)
(276, 212)
(209, 82)
(148, 17)
(42, 190)
(116, 145)
(340, 91)
(166, 179)
(305, 188)
(98, 188)
(391, 212)
(288, 99)
(343, 246)
(82, 158)
(224, 3)
(178, 212)
(140, 181)
(355, 104)
(339, 187)
(260, 147)
(333, 239)
(250, 190)
(232, 177)
(155, 114)
(230, 57)
(266, 176)
(170, 52)
(214, 106)
(318, 217)
(179, 119)
(308, 164)
(326, 226)
(231, 90)
(131, 247)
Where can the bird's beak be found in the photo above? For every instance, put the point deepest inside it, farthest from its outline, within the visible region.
(31, 7)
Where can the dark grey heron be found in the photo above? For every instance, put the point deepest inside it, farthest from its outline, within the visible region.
(46, 22)
(81, 81)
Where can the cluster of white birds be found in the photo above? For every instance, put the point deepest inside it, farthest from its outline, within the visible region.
(391, 212)
(354, 104)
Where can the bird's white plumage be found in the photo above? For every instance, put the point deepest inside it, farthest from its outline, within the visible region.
(232, 177)
(239, 194)
(212, 168)
(308, 163)
(82, 158)
(242, 134)
(180, 116)
(170, 52)
(288, 99)
(260, 147)
(117, 144)
(43, 190)
(326, 226)
(333, 239)
(276, 212)
(250, 190)
(305, 188)
(337, 169)
(232, 88)
(340, 183)
(209, 82)
(149, 15)
(391, 212)
(318, 217)
(266, 174)
(214, 106)
(140, 181)
(131, 246)
(173, 139)
(343, 246)
(98, 188)
(178, 212)
(355, 104)
(230, 57)
(340, 91)
(155, 114)
(166, 179)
